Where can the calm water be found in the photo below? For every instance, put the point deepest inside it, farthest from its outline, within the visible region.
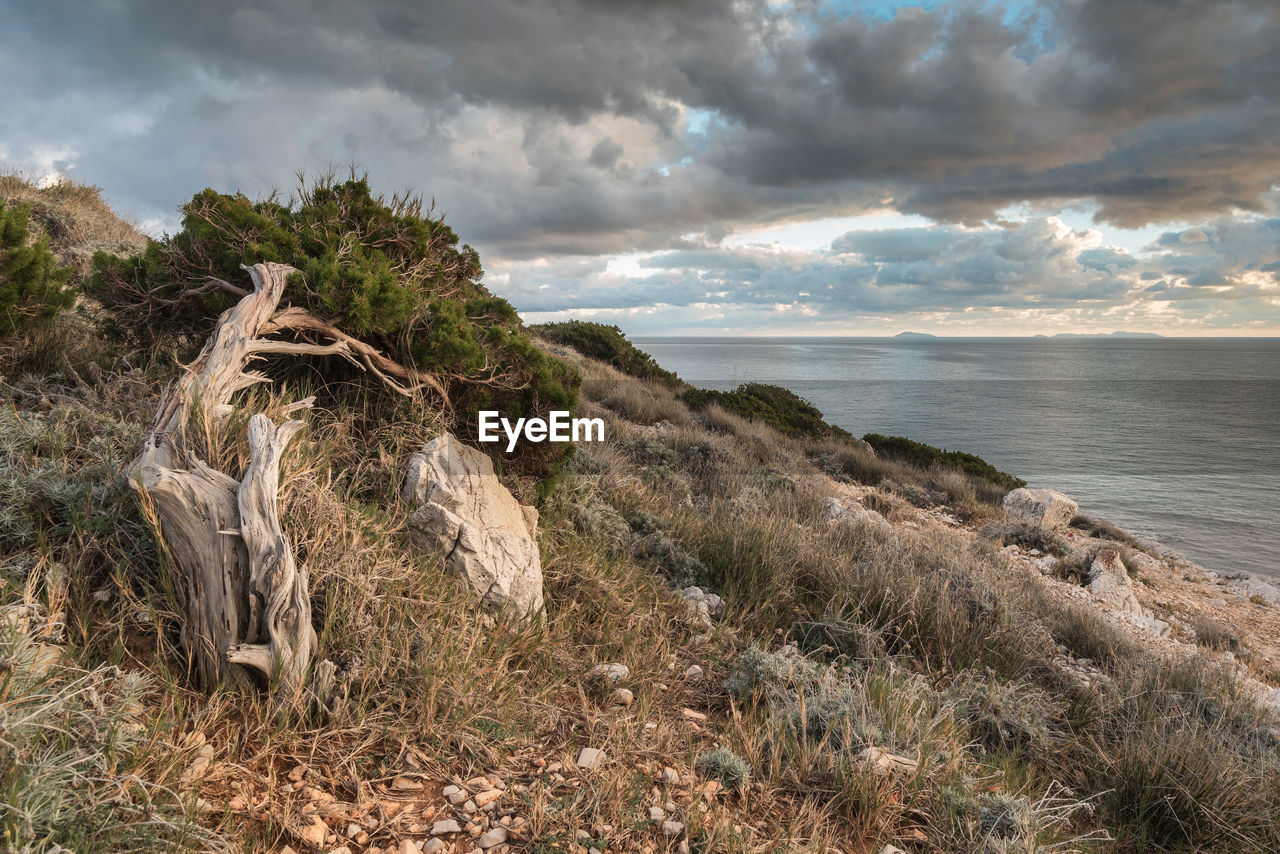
(1179, 439)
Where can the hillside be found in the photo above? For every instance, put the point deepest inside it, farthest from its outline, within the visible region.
(752, 638)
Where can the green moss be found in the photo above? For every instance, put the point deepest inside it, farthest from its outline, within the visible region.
(924, 456)
(33, 287)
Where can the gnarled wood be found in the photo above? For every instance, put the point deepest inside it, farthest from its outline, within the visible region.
(279, 638)
(245, 601)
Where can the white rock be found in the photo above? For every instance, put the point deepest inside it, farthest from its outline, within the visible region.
(496, 836)
(434, 846)
(1159, 628)
(1110, 584)
(464, 510)
(657, 814)
(1042, 507)
(448, 825)
(837, 511)
(672, 828)
(623, 697)
(408, 846)
(589, 758)
(694, 672)
(670, 777)
(609, 672)
(1248, 587)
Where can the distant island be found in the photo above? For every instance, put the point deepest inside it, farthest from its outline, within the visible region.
(1117, 334)
(925, 336)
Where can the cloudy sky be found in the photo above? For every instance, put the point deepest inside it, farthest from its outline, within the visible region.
(755, 167)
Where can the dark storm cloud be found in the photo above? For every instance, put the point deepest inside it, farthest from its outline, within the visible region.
(555, 128)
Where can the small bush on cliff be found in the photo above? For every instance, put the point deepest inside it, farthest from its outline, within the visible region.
(785, 411)
(607, 344)
(923, 456)
(33, 287)
(383, 270)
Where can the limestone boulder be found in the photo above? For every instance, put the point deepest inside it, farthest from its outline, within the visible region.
(463, 510)
(1109, 582)
(1042, 507)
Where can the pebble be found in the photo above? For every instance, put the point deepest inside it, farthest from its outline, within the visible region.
(694, 672)
(434, 846)
(609, 672)
(405, 784)
(589, 758)
(656, 814)
(497, 836)
(691, 715)
(672, 828)
(623, 697)
(447, 826)
(408, 847)
(483, 799)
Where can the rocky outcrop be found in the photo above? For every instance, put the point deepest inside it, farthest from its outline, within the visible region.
(1109, 582)
(1042, 507)
(466, 512)
(838, 511)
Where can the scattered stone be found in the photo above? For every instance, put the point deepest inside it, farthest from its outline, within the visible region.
(407, 846)
(694, 672)
(609, 672)
(657, 814)
(672, 828)
(315, 833)
(892, 849)
(1042, 507)
(440, 828)
(670, 777)
(1109, 582)
(464, 510)
(837, 511)
(496, 836)
(434, 846)
(589, 758)
(623, 697)
(691, 715)
(483, 799)
(883, 763)
(198, 766)
(405, 784)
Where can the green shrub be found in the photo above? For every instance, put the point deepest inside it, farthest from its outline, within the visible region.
(724, 765)
(381, 269)
(33, 288)
(923, 456)
(606, 344)
(783, 410)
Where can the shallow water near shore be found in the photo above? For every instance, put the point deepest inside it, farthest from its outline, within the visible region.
(1175, 438)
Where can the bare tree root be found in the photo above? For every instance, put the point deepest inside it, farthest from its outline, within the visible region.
(245, 603)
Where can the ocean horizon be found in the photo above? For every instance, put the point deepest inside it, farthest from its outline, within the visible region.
(1176, 438)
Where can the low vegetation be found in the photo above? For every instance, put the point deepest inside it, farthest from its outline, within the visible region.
(781, 409)
(864, 685)
(925, 456)
(607, 344)
(33, 286)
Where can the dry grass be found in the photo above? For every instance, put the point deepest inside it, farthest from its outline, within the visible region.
(923, 643)
(76, 217)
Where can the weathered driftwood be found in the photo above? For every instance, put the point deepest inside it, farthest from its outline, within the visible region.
(245, 600)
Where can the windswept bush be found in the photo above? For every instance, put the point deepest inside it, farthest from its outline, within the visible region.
(380, 269)
(784, 410)
(607, 344)
(33, 287)
(924, 456)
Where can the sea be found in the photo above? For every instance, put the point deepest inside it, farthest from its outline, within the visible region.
(1178, 439)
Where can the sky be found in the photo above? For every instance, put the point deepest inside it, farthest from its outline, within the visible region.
(755, 167)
